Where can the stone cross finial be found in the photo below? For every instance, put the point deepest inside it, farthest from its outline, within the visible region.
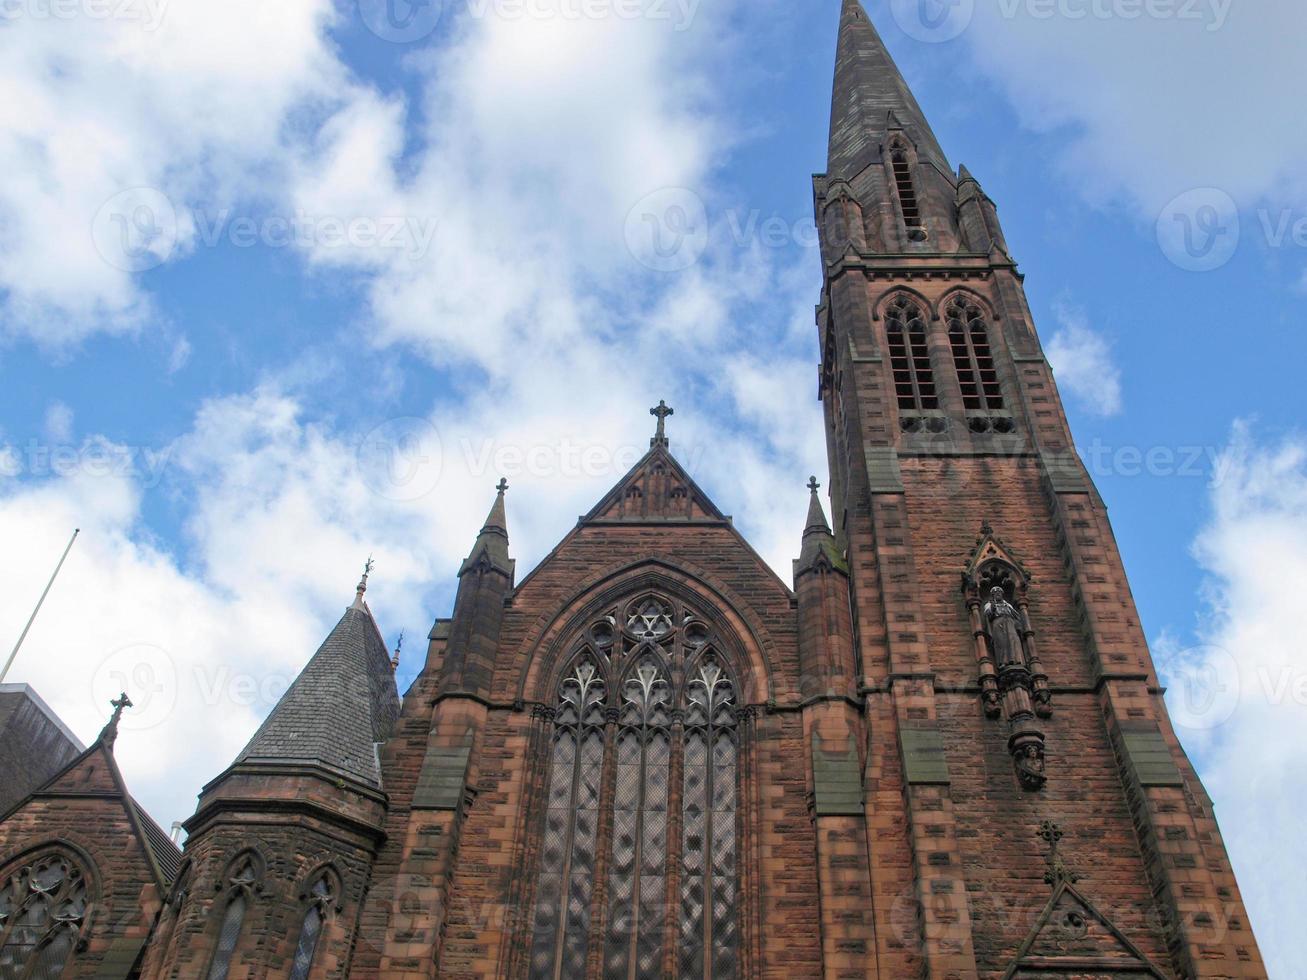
(1057, 868)
(813, 485)
(501, 486)
(661, 411)
(110, 733)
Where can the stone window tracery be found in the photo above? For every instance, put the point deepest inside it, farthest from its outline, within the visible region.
(43, 906)
(647, 802)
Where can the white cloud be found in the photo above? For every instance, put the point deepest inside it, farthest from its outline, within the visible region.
(1083, 363)
(1218, 120)
(282, 520)
(1240, 699)
(187, 97)
(58, 422)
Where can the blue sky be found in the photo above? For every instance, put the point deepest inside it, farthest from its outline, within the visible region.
(467, 291)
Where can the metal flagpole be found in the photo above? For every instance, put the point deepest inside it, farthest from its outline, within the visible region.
(39, 602)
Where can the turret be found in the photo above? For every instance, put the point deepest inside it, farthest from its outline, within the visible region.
(821, 583)
(485, 581)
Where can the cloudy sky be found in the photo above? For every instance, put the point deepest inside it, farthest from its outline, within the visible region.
(282, 285)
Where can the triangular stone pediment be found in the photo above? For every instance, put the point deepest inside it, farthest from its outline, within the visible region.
(657, 488)
(1071, 938)
(990, 548)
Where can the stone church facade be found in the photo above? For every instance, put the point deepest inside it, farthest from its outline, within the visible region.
(939, 751)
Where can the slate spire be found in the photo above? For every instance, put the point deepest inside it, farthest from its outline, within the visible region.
(492, 543)
(340, 706)
(871, 98)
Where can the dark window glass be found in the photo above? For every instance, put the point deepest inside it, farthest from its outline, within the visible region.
(973, 357)
(914, 378)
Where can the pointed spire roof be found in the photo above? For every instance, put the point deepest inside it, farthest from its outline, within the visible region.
(492, 543)
(870, 98)
(340, 706)
(818, 542)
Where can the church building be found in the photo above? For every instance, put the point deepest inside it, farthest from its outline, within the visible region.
(940, 750)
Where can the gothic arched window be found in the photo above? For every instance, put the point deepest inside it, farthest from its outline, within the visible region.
(567, 853)
(708, 850)
(42, 907)
(243, 877)
(321, 898)
(968, 334)
(914, 378)
(642, 788)
(638, 874)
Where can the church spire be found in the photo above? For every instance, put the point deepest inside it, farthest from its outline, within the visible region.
(492, 543)
(818, 542)
(870, 99)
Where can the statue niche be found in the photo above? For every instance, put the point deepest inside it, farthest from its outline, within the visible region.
(1013, 684)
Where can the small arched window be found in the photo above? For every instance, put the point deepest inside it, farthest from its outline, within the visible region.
(968, 334)
(42, 907)
(901, 166)
(321, 899)
(243, 877)
(914, 378)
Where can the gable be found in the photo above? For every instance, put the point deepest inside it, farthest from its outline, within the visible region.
(1072, 938)
(94, 776)
(657, 488)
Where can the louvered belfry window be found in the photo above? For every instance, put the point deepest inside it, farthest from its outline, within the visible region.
(641, 794)
(42, 906)
(973, 357)
(914, 378)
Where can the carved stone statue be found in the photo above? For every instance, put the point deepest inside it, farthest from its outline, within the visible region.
(1004, 624)
(1030, 766)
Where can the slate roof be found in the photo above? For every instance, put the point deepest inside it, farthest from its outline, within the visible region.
(34, 744)
(868, 88)
(342, 704)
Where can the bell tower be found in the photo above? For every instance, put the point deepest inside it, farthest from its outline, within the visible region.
(1005, 679)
